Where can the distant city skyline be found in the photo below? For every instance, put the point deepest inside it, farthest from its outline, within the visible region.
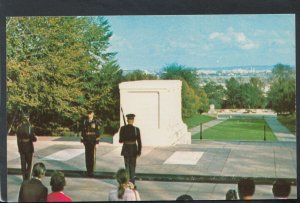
(202, 41)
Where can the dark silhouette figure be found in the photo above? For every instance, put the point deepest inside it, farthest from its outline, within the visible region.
(33, 190)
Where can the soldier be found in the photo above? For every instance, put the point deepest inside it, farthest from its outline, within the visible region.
(25, 139)
(132, 146)
(90, 136)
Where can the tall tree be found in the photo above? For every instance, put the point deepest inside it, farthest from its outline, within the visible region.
(215, 93)
(252, 94)
(139, 75)
(233, 93)
(282, 93)
(56, 66)
(194, 98)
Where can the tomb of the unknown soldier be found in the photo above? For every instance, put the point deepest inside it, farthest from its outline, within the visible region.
(157, 106)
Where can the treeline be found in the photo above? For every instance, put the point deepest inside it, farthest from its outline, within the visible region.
(58, 67)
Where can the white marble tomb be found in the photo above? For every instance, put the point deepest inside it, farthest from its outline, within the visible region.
(157, 106)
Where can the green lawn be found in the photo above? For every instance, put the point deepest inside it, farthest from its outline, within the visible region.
(238, 129)
(196, 120)
(288, 121)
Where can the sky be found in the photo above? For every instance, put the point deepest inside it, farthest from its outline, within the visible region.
(202, 41)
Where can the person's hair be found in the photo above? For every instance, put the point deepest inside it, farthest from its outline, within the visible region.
(57, 181)
(38, 170)
(122, 177)
(184, 197)
(231, 195)
(281, 188)
(246, 187)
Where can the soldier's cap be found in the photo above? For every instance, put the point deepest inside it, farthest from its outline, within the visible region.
(130, 116)
(90, 111)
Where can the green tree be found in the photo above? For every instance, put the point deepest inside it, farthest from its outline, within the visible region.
(57, 67)
(252, 94)
(176, 71)
(282, 93)
(139, 75)
(215, 94)
(194, 98)
(233, 93)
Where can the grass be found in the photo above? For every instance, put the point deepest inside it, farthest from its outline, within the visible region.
(238, 129)
(289, 121)
(196, 120)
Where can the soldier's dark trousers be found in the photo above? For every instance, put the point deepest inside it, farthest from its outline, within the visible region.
(26, 164)
(90, 157)
(130, 164)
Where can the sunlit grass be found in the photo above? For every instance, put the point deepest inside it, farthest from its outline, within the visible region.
(238, 129)
(197, 119)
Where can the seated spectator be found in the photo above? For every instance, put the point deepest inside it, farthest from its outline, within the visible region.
(58, 183)
(246, 188)
(281, 189)
(231, 195)
(125, 191)
(184, 197)
(33, 190)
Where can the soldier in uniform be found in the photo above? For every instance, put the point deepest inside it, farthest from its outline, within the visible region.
(25, 139)
(132, 146)
(90, 136)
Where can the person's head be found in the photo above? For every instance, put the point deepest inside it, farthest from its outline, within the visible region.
(246, 188)
(122, 177)
(38, 170)
(281, 189)
(231, 195)
(57, 181)
(24, 118)
(130, 118)
(184, 197)
(90, 114)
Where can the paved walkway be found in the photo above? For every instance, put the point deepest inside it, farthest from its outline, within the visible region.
(202, 166)
(281, 132)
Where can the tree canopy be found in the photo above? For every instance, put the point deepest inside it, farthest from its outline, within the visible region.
(58, 67)
(194, 98)
(282, 93)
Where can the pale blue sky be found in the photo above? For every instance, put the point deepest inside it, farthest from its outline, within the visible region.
(152, 42)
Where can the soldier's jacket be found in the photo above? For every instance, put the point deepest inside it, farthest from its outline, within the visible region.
(130, 133)
(90, 131)
(25, 137)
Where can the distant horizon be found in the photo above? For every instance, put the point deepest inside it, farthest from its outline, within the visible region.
(216, 67)
(202, 41)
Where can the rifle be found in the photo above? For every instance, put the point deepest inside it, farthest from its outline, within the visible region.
(123, 116)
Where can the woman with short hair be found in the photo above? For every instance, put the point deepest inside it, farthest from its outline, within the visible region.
(58, 183)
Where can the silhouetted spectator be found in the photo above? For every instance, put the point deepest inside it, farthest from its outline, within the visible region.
(231, 195)
(58, 183)
(281, 189)
(184, 197)
(25, 139)
(33, 190)
(125, 191)
(246, 188)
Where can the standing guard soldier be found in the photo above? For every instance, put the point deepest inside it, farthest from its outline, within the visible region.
(90, 136)
(25, 139)
(132, 146)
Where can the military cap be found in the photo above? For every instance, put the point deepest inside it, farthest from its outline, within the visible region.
(89, 111)
(130, 116)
